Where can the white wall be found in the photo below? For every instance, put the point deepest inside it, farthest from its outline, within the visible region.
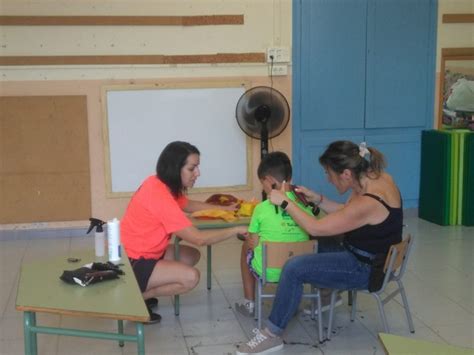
(266, 23)
(453, 35)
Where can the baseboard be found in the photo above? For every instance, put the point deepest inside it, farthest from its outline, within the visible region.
(43, 230)
(410, 212)
(75, 229)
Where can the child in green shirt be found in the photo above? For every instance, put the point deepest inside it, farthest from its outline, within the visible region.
(271, 223)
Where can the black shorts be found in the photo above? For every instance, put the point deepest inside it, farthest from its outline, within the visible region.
(142, 268)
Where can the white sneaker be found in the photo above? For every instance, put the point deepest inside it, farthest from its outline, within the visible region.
(247, 309)
(325, 305)
(261, 343)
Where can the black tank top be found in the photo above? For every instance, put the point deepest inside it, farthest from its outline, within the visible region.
(377, 238)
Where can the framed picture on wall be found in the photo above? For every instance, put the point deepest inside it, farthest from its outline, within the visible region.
(456, 95)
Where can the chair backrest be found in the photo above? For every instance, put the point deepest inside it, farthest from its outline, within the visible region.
(397, 256)
(276, 254)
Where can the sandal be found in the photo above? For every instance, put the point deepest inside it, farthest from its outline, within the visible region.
(154, 318)
(151, 302)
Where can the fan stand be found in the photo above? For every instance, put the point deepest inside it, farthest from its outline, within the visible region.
(262, 114)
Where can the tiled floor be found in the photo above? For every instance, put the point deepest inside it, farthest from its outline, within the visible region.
(439, 285)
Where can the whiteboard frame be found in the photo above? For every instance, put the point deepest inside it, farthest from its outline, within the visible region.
(170, 85)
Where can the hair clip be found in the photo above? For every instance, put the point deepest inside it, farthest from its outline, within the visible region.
(363, 151)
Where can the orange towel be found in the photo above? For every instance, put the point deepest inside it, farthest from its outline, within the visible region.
(227, 216)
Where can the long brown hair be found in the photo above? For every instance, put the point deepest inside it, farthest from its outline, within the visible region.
(170, 162)
(341, 155)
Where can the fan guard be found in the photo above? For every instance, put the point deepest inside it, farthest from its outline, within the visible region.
(262, 108)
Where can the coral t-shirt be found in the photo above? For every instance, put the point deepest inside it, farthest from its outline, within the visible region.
(152, 216)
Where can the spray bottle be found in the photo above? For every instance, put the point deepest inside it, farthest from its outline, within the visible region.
(99, 237)
(113, 238)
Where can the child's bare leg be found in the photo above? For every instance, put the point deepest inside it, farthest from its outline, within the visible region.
(246, 307)
(248, 280)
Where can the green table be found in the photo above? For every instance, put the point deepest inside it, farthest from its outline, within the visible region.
(41, 290)
(397, 345)
(206, 224)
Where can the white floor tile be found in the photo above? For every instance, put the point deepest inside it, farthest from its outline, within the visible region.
(459, 334)
(439, 285)
(207, 332)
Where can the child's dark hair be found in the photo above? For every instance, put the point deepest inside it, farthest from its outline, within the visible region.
(342, 155)
(170, 162)
(277, 165)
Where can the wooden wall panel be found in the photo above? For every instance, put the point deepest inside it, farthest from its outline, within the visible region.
(458, 18)
(257, 57)
(122, 20)
(44, 154)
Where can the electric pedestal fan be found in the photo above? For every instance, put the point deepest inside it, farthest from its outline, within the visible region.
(262, 113)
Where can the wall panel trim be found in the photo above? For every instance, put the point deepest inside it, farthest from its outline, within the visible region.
(122, 20)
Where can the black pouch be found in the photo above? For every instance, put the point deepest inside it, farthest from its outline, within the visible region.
(86, 276)
(377, 274)
(106, 267)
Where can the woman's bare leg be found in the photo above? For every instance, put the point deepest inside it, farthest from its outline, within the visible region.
(187, 254)
(171, 277)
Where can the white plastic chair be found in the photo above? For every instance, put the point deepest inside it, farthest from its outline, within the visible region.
(275, 255)
(394, 268)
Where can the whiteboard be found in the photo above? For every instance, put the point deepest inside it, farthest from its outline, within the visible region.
(140, 122)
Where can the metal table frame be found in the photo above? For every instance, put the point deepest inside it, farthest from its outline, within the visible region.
(203, 225)
(118, 300)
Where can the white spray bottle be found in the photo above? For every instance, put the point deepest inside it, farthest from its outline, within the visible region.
(113, 237)
(99, 237)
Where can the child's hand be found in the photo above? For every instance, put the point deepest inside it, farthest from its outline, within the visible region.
(253, 241)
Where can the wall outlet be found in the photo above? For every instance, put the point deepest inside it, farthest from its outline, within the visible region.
(279, 54)
(278, 70)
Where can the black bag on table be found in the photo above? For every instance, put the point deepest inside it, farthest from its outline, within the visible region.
(91, 274)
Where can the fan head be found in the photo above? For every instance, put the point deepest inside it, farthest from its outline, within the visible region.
(262, 108)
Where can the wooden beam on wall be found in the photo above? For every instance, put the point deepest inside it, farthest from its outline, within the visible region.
(134, 59)
(458, 18)
(461, 53)
(121, 20)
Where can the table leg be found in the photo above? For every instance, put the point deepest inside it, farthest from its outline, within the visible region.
(120, 331)
(140, 339)
(29, 319)
(34, 335)
(176, 257)
(209, 266)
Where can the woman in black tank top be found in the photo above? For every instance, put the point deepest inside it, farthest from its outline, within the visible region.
(371, 221)
(378, 238)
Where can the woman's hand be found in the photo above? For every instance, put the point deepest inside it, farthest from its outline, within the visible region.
(276, 197)
(232, 208)
(310, 195)
(243, 230)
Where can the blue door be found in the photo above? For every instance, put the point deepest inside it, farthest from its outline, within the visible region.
(363, 70)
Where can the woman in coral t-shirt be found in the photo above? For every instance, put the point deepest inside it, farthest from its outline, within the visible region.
(157, 211)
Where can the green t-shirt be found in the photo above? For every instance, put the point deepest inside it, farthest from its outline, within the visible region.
(274, 227)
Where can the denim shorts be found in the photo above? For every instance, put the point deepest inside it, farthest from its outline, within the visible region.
(250, 256)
